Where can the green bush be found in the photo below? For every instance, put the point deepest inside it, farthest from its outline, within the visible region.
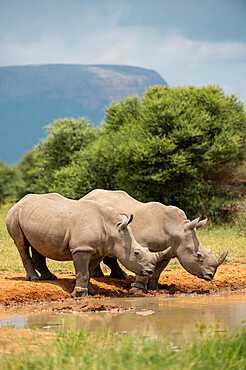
(179, 146)
(52, 166)
(11, 182)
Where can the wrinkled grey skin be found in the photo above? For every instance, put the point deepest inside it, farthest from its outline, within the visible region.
(158, 227)
(82, 231)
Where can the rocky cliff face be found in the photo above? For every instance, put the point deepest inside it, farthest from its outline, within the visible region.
(33, 96)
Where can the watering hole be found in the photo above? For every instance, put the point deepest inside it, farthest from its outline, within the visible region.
(151, 316)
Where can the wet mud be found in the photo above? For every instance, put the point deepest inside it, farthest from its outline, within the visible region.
(15, 291)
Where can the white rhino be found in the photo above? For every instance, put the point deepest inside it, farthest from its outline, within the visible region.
(158, 227)
(82, 231)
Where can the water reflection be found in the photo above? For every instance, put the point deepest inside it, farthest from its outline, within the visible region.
(170, 315)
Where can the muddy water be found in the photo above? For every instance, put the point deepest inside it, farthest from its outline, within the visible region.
(152, 316)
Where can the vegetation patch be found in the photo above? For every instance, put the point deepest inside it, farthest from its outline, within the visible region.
(105, 350)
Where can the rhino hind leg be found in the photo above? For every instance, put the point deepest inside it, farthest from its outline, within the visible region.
(23, 246)
(116, 271)
(97, 272)
(94, 264)
(39, 262)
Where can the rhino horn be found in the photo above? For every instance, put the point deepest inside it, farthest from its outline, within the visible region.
(195, 224)
(162, 255)
(222, 257)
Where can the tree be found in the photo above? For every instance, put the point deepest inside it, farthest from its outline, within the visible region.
(51, 165)
(179, 146)
(11, 182)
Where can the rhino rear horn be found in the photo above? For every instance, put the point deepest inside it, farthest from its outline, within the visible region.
(222, 257)
(162, 255)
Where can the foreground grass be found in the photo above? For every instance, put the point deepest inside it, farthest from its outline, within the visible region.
(104, 350)
(217, 238)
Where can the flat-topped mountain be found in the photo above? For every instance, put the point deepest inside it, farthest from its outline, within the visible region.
(33, 96)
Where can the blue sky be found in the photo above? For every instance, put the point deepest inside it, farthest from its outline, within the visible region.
(189, 42)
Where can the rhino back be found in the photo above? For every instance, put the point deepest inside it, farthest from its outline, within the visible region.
(149, 219)
(53, 224)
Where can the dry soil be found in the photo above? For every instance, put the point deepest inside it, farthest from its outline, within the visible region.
(15, 291)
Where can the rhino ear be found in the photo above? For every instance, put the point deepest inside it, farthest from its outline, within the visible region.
(130, 219)
(201, 223)
(123, 225)
(192, 224)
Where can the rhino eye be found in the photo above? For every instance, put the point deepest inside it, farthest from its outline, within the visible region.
(137, 253)
(199, 255)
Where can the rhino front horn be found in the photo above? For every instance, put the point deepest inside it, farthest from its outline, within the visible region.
(222, 257)
(162, 255)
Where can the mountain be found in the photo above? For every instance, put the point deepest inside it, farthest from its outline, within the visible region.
(33, 96)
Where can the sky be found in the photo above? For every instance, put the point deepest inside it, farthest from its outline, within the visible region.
(188, 42)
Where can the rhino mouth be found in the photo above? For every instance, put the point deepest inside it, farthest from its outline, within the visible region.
(148, 272)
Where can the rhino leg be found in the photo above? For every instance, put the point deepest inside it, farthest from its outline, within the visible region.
(39, 262)
(97, 272)
(23, 247)
(139, 285)
(153, 281)
(116, 271)
(81, 262)
(92, 267)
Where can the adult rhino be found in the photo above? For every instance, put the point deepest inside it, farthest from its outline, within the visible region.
(82, 231)
(158, 228)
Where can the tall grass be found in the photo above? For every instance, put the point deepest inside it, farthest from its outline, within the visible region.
(105, 350)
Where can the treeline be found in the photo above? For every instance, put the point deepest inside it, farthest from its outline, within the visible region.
(179, 146)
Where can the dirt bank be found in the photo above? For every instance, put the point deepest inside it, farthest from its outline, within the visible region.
(14, 290)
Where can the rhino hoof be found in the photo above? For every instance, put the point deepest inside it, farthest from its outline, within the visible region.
(34, 278)
(79, 292)
(91, 290)
(140, 286)
(49, 277)
(137, 291)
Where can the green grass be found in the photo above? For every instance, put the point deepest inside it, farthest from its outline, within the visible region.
(220, 238)
(217, 238)
(106, 350)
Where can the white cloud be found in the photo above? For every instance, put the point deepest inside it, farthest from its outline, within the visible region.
(99, 40)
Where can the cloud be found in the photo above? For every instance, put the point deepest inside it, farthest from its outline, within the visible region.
(100, 36)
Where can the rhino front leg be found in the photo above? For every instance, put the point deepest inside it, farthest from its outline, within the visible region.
(153, 281)
(140, 284)
(39, 262)
(81, 262)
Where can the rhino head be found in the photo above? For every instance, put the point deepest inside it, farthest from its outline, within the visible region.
(131, 254)
(196, 259)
